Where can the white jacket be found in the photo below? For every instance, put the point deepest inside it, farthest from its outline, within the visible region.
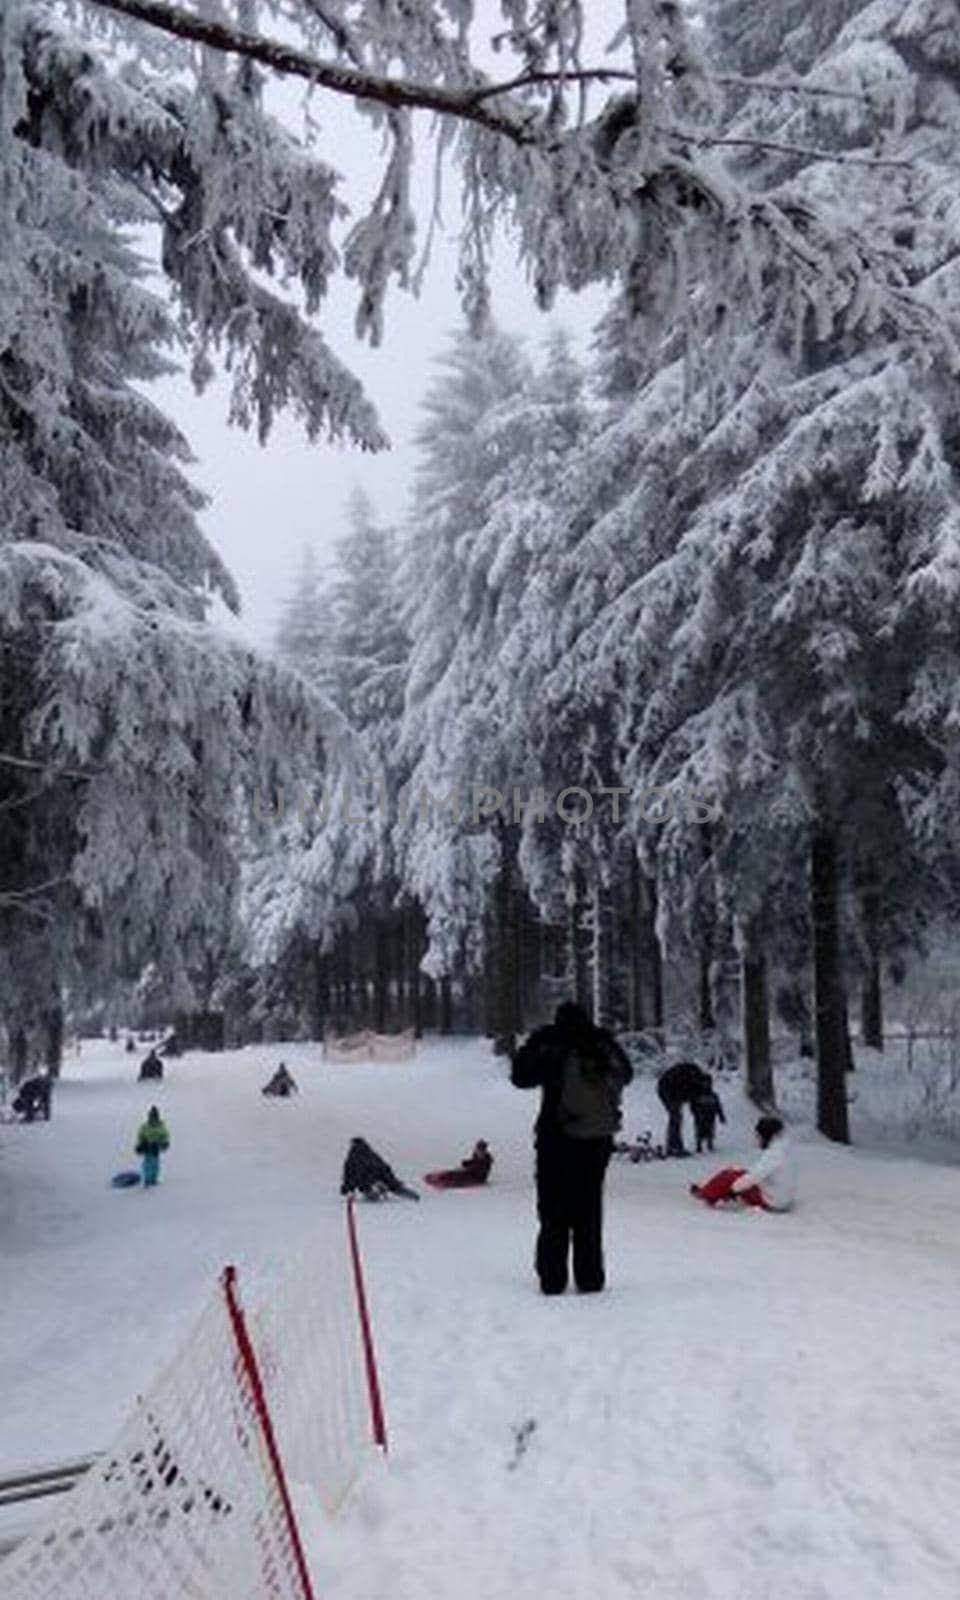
(775, 1174)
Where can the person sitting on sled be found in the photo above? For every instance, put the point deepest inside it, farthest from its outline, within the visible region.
(769, 1185)
(365, 1172)
(473, 1170)
(151, 1066)
(282, 1083)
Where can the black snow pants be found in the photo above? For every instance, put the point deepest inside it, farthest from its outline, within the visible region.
(570, 1174)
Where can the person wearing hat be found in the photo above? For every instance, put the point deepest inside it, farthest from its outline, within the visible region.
(769, 1185)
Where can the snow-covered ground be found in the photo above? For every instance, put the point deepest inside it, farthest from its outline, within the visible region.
(759, 1405)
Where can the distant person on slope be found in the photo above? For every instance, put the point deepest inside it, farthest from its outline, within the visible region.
(769, 1185)
(581, 1071)
(152, 1140)
(365, 1172)
(282, 1083)
(150, 1067)
(473, 1170)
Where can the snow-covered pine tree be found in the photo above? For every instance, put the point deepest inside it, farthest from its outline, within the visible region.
(303, 637)
(131, 730)
(783, 625)
(369, 641)
(467, 443)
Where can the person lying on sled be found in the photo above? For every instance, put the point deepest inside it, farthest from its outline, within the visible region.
(473, 1170)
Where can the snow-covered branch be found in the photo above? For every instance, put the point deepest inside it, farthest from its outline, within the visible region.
(467, 104)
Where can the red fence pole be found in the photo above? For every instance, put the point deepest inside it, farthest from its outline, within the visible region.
(248, 1361)
(373, 1381)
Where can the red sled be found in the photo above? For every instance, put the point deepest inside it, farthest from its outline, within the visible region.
(470, 1174)
(454, 1178)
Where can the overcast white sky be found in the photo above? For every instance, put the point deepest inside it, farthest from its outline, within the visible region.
(267, 503)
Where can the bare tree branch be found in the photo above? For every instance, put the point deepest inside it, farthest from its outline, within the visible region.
(24, 764)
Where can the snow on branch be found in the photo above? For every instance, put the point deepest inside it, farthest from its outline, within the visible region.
(396, 93)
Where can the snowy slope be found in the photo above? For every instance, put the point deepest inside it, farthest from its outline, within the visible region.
(759, 1405)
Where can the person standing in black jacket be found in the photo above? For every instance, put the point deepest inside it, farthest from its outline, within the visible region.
(581, 1071)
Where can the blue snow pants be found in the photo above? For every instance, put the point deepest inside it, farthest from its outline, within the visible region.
(150, 1164)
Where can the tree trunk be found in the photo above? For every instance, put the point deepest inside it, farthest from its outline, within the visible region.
(320, 991)
(504, 941)
(19, 1054)
(446, 1004)
(755, 1017)
(829, 1006)
(579, 943)
(601, 954)
(705, 1007)
(53, 1031)
(871, 989)
(381, 975)
(635, 1007)
(708, 920)
(651, 958)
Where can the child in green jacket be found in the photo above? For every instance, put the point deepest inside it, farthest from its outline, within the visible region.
(152, 1139)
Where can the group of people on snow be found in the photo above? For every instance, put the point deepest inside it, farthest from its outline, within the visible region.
(581, 1072)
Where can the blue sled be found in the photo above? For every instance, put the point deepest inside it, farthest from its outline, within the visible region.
(125, 1180)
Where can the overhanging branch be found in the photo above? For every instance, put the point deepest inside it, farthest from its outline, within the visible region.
(399, 94)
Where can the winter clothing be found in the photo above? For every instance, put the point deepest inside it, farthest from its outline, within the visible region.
(774, 1173)
(32, 1099)
(680, 1085)
(707, 1112)
(365, 1172)
(581, 1071)
(151, 1067)
(770, 1184)
(152, 1140)
(472, 1171)
(282, 1083)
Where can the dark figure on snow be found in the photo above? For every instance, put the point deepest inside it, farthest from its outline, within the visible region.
(365, 1172)
(150, 1067)
(32, 1100)
(707, 1112)
(679, 1086)
(473, 1170)
(282, 1083)
(581, 1071)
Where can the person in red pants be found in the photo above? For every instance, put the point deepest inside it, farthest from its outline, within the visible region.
(769, 1185)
